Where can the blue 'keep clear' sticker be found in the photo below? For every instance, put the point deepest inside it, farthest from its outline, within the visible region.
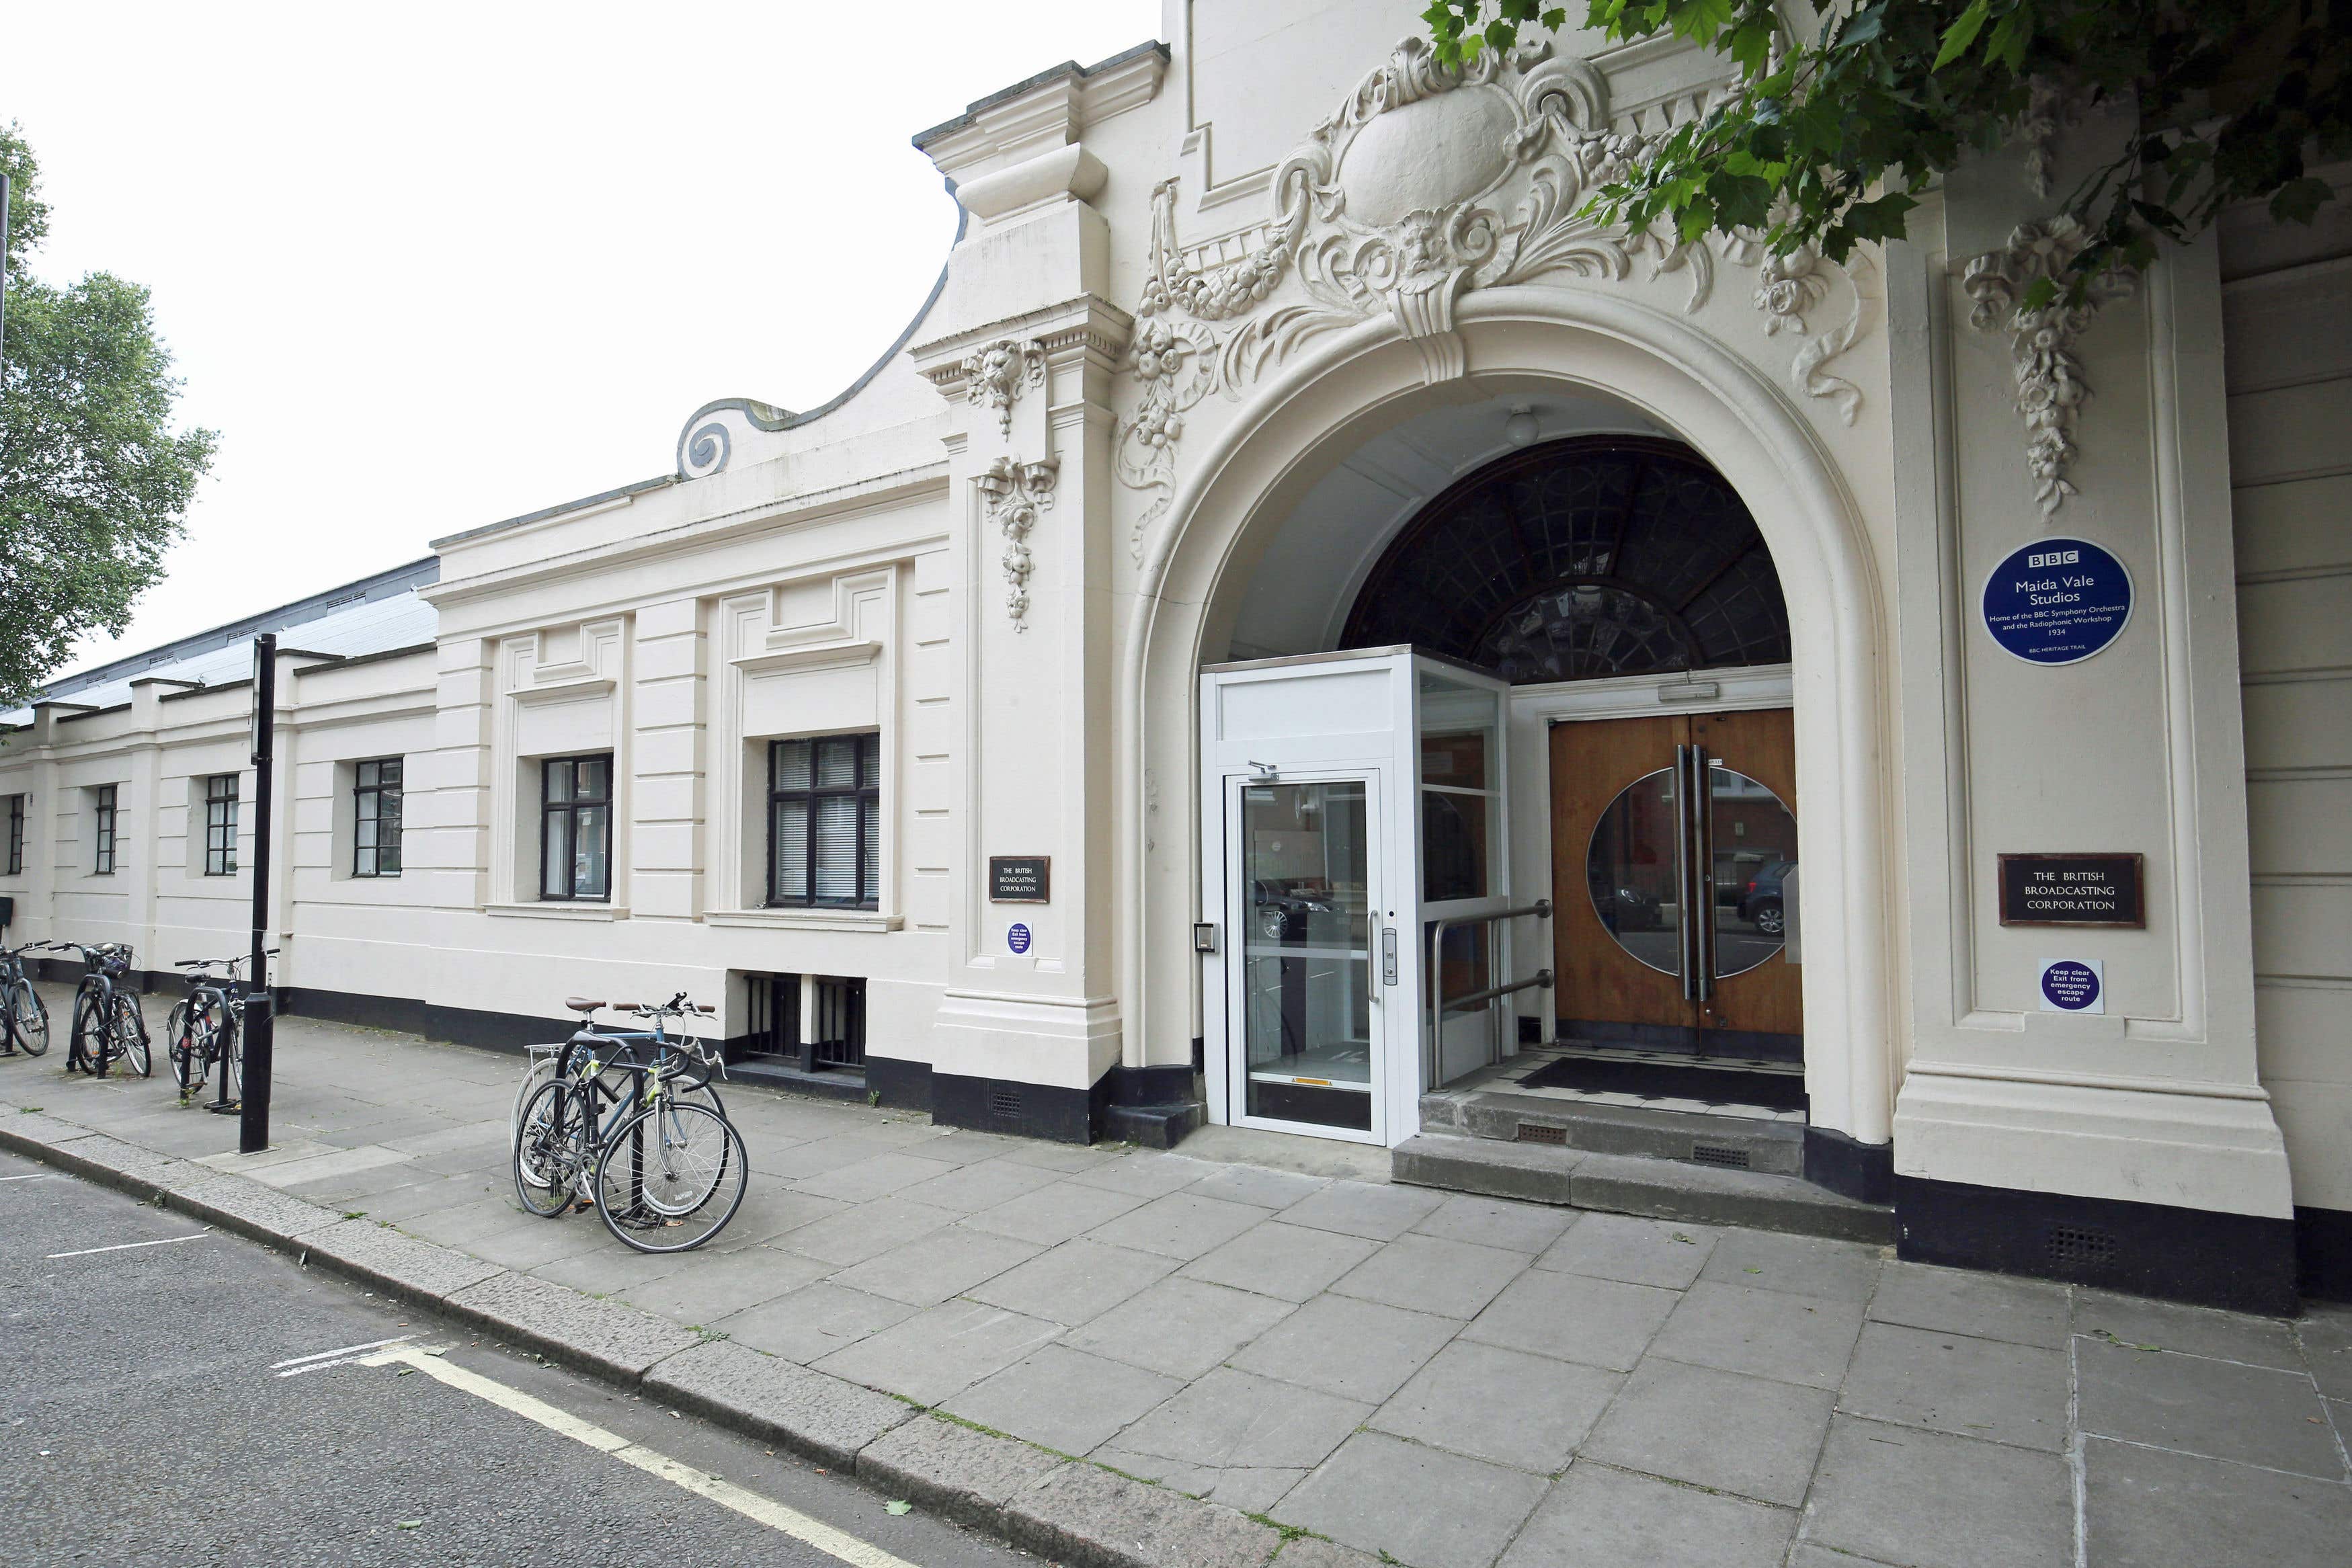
(1017, 938)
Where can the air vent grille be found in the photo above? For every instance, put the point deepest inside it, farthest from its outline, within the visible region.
(2079, 1246)
(1004, 1100)
(1530, 1132)
(1717, 1155)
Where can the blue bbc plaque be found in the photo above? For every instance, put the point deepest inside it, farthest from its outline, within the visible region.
(1017, 938)
(2057, 601)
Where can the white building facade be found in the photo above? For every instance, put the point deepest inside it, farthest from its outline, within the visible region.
(1305, 630)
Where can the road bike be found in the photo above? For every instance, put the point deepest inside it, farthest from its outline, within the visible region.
(206, 1027)
(543, 1062)
(108, 1026)
(623, 1116)
(24, 1017)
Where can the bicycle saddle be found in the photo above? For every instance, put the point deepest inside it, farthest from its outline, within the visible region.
(582, 1004)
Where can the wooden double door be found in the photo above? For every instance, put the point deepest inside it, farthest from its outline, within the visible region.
(1674, 882)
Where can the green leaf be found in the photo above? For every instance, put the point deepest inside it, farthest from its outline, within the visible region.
(2299, 200)
(1962, 33)
(896, 1509)
(2039, 295)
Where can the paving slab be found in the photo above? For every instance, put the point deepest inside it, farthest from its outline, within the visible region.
(878, 1177)
(1525, 1411)
(1800, 1265)
(529, 1241)
(940, 1352)
(1064, 1399)
(1766, 1333)
(1952, 1383)
(29, 1130)
(1960, 1301)
(1496, 1222)
(1364, 1208)
(1291, 1262)
(2325, 1333)
(709, 1288)
(564, 1325)
(1601, 1518)
(824, 1418)
(1144, 1173)
(983, 1183)
(822, 1153)
(1180, 1327)
(401, 1265)
(770, 1210)
(1430, 1274)
(1179, 1226)
(1635, 1251)
(1600, 1322)
(1307, 1552)
(1089, 1518)
(2223, 1409)
(951, 1470)
(1255, 1185)
(1074, 1283)
(1356, 1350)
(2146, 1506)
(1231, 1419)
(1425, 1508)
(2197, 1331)
(867, 1230)
(461, 1223)
(1052, 1215)
(811, 1323)
(1898, 1494)
(929, 1269)
(1722, 1430)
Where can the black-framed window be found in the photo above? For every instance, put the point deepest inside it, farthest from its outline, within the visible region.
(101, 800)
(825, 821)
(15, 857)
(220, 825)
(575, 830)
(376, 817)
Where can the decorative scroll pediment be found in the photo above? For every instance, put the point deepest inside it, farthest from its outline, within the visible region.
(1428, 182)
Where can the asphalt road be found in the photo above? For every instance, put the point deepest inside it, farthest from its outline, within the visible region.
(144, 1420)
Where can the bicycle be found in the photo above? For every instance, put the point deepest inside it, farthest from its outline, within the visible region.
(108, 1026)
(24, 1017)
(666, 1173)
(207, 1026)
(543, 1062)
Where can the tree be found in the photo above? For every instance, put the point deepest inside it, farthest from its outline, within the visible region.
(1828, 140)
(93, 484)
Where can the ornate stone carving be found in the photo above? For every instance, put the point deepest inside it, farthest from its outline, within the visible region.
(994, 375)
(1013, 493)
(1426, 183)
(2050, 384)
(2049, 109)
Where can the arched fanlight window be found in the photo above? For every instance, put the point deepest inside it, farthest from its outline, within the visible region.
(1578, 558)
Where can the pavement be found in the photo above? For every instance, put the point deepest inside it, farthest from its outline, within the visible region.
(1256, 1345)
(178, 1394)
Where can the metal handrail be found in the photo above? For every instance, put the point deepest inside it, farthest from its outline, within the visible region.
(1438, 1004)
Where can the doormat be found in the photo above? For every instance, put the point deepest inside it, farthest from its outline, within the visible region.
(1665, 1081)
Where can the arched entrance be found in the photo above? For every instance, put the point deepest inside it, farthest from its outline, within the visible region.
(1346, 388)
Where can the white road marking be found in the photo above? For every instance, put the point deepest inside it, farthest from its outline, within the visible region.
(126, 1246)
(294, 1366)
(38, 1176)
(765, 1510)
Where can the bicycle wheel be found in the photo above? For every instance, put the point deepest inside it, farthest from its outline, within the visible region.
(550, 1147)
(671, 1176)
(130, 1038)
(29, 1017)
(541, 1072)
(84, 1042)
(180, 1047)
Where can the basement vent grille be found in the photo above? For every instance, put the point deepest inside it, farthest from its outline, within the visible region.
(1717, 1154)
(2078, 1247)
(1531, 1134)
(1005, 1101)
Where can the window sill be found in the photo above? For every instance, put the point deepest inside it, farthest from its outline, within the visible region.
(559, 909)
(806, 919)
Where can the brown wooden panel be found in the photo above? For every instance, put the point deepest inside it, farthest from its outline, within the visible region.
(1591, 761)
(1762, 745)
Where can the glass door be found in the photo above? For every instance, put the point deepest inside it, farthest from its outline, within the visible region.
(1302, 904)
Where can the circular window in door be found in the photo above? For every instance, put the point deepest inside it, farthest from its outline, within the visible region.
(1644, 846)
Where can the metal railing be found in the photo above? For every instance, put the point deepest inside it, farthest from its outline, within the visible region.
(1439, 1004)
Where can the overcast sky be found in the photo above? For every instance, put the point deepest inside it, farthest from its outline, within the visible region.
(428, 266)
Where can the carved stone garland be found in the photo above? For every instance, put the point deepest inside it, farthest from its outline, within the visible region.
(2050, 384)
(1380, 212)
(994, 375)
(1013, 493)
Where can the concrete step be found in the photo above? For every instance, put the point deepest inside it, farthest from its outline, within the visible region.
(1735, 1142)
(1623, 1183)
